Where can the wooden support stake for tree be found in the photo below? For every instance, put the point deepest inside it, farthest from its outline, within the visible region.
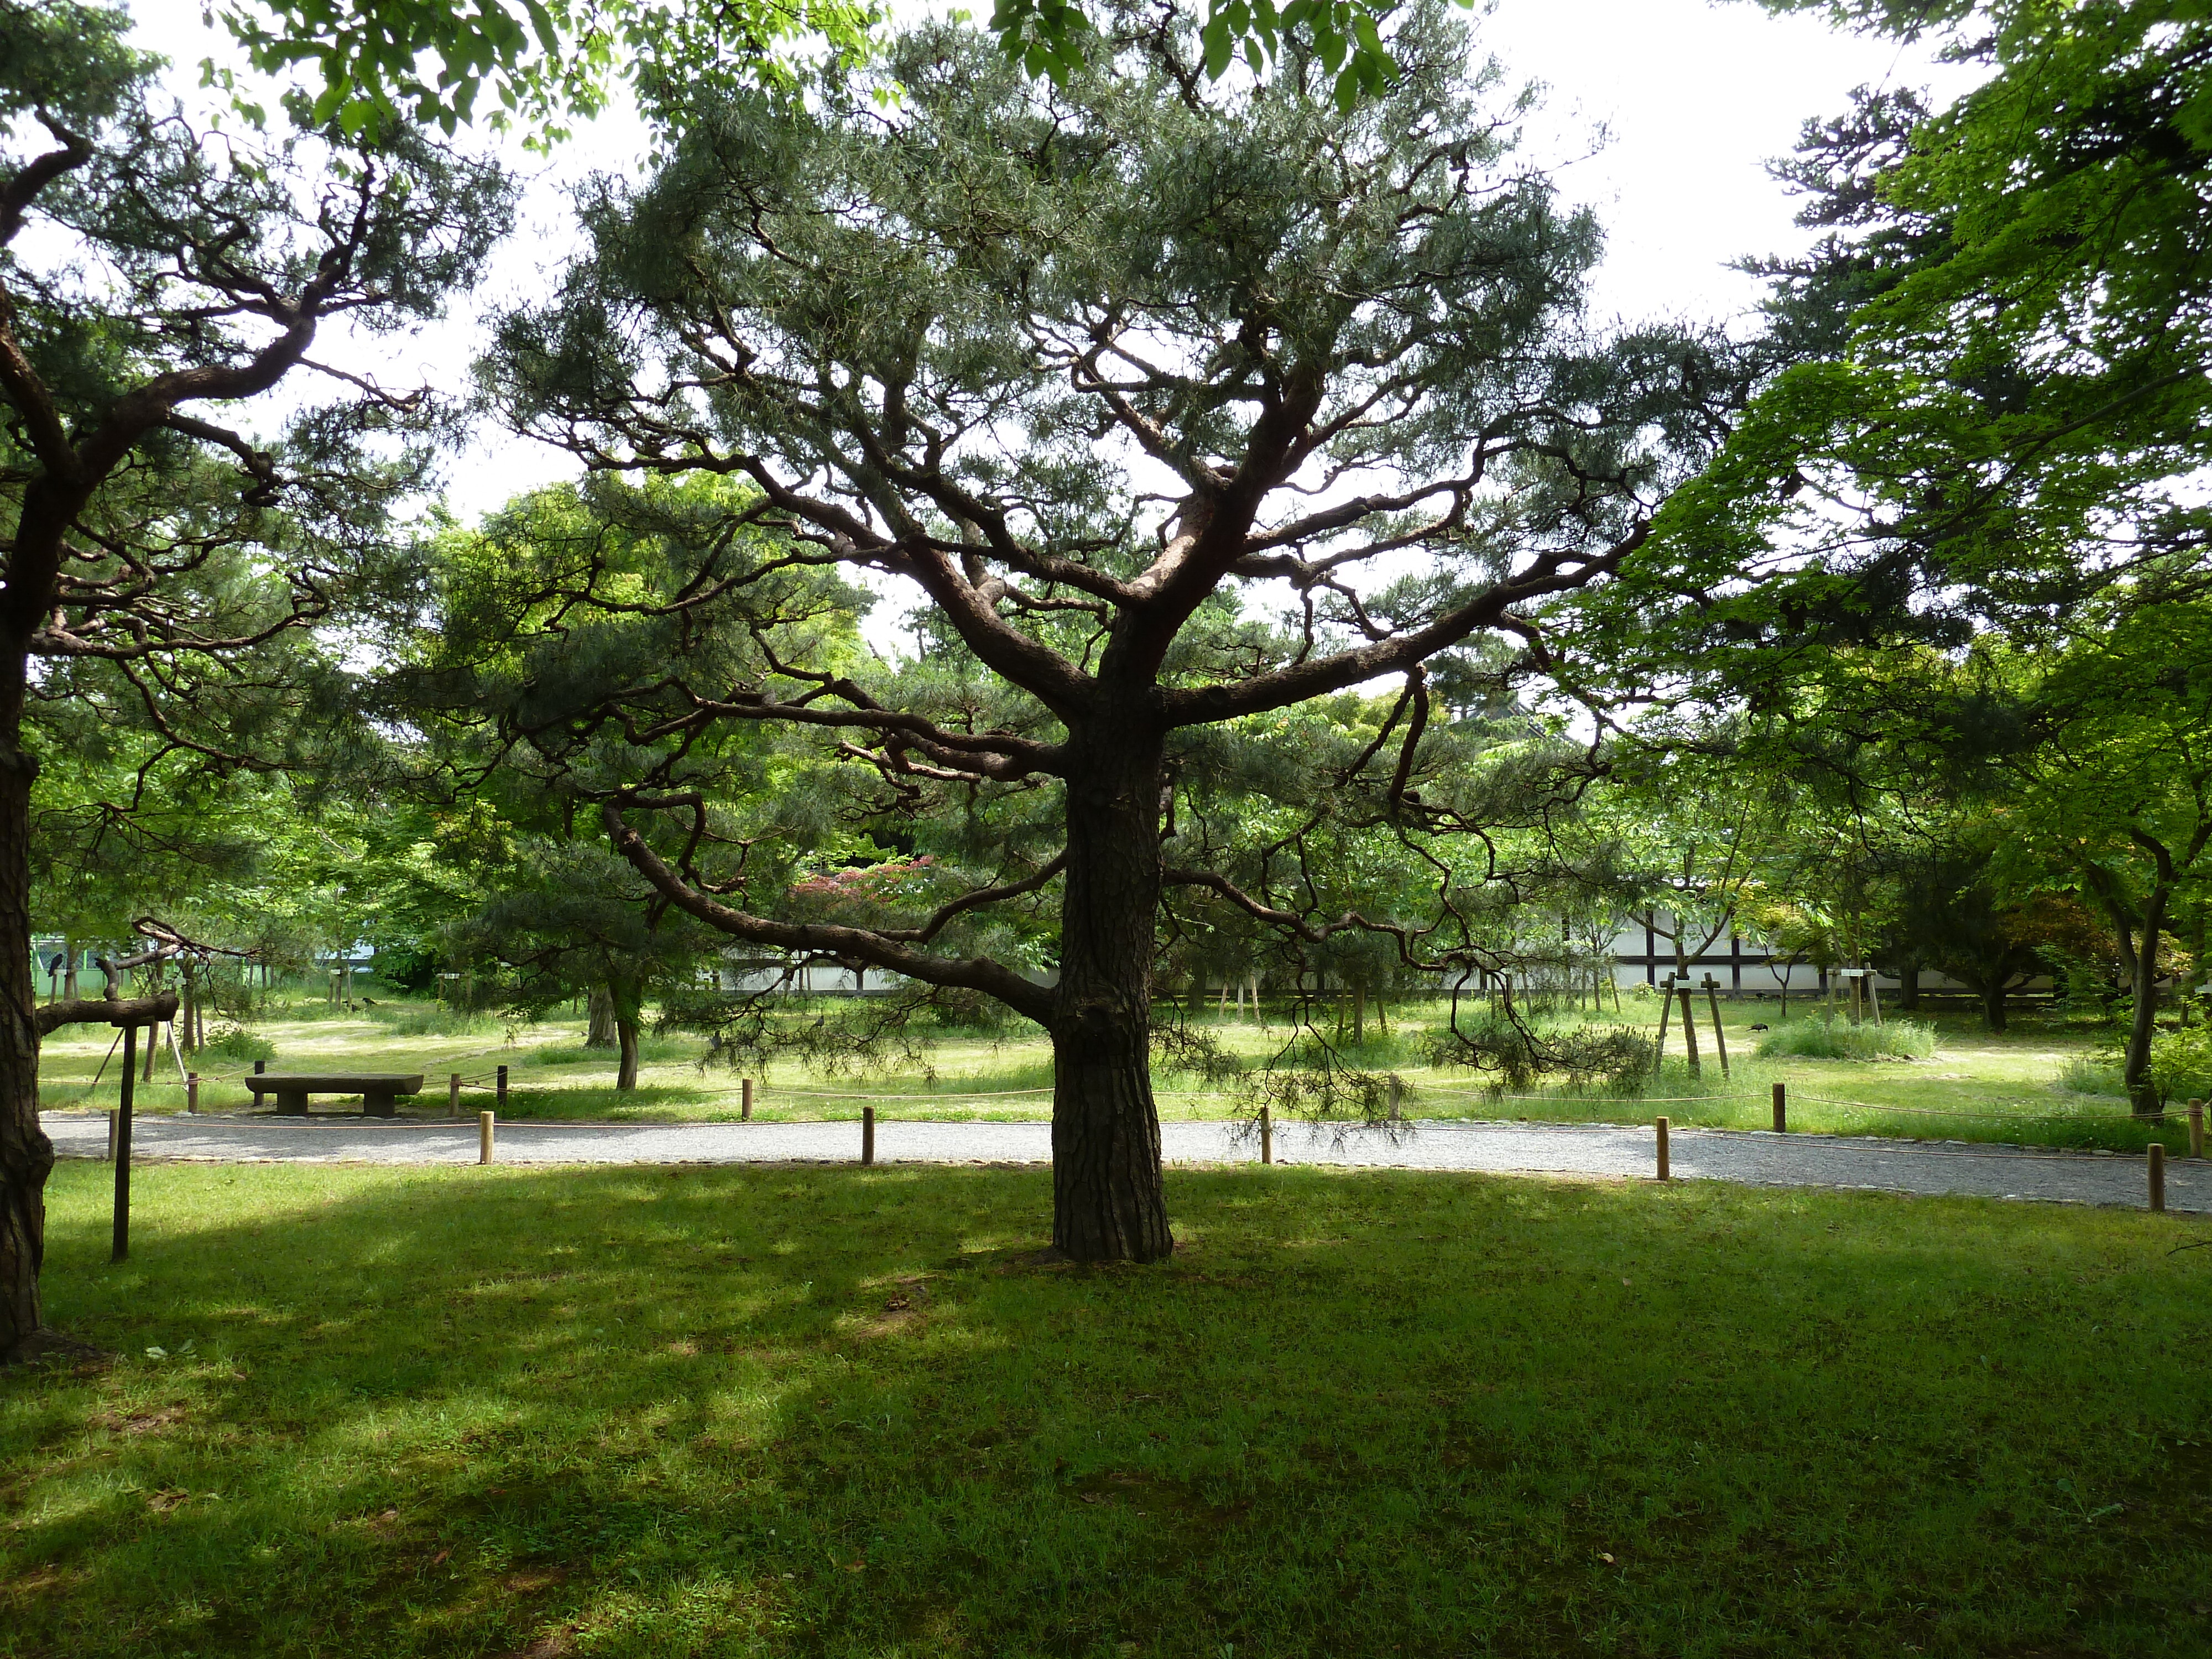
(122, 1148)
(1660, 1126)
(2197, 1128)
(502, 1088)
(484, 1131)
(745, 1102)
(1781, 1110)
(868, 1135)
(1266, 1137)
(2157, 1178)
(1713, 1002)
(1666, 1008)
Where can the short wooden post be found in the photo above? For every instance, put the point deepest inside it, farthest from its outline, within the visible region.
(2157, 1178)
(502, 1088)
(191, 1091)
(1396, 1087)
(1266, 1137)
(1781, 1110)
(745, 1102)
(259, 1067)
(2197, 1128)
(484, 1123)
(121, 1152)
(868, 1134)
(1661, 1125)
(112, 1115)
(453, 1095)
(1713, 1002)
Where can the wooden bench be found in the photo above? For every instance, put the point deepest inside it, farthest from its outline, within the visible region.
(377, 1090)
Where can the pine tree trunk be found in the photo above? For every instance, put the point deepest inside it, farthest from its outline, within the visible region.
(626, 1036)
(1908, 987)
(1109, 1204)
(26, 1155)
(600, 1018)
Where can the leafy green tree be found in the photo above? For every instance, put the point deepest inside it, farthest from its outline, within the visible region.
(387, 63)
(149, 276)
(1180, 403)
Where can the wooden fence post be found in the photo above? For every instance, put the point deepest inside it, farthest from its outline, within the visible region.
(2197, 1128)
(1781, 1110)
(502, 1088)
(2157, 1178)
(453, 1095)
(485, 1120)
(1266, 1137)
(868, 1135)
(746, 1106)
(191, 1091)
(112, 1115)
(1662, 1126)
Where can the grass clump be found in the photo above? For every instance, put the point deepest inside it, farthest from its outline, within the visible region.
(237, 1042)
(1808, 1039)
(431, 1019)
(768, 1412)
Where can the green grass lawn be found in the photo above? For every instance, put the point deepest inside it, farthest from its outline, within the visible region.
(835, 1412)
(1972, 1087)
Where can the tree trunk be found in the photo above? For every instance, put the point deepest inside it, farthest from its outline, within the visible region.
(600, 1018)
(2135, 1077)
(1359, 1012)
(1993, 1003)
(1108, 1203)
(69, 969)
(626, 1038)
(1908, 987)
(26, 1155)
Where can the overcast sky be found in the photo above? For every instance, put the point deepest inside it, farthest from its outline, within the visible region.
(1694, 100)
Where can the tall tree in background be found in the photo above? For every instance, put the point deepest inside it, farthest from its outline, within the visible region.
(170, 276)
(1179, 405)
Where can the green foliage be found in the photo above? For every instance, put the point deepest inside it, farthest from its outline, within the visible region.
(1817, 1039)
(2181, 1064)
(437, 1020)
(237, 1042)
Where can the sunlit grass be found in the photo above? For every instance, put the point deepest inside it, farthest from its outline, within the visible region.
(773, 1412)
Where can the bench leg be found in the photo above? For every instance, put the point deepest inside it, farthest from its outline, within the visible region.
(292, 1102)
(377, 1106)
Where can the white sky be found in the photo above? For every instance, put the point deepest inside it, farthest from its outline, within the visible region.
(1694, 97)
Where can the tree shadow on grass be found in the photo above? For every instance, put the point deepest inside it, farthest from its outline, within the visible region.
(731, 1410)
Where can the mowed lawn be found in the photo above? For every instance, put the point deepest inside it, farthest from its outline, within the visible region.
(1972, 1086)
(845, 1412)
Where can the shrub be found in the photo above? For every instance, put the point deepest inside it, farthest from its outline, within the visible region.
(2180, 1064)
(236, 1042)
(1808, 1039)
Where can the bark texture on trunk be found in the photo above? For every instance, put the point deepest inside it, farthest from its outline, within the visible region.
(1908, 987)
(626, 1038)
(600, 1018)
(26, 1155)
(1109, 1204)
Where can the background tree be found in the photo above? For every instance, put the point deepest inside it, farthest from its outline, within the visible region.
(169, 275)
(1180, 406)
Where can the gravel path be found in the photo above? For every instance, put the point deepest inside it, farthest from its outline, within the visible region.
(1759, 1158)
